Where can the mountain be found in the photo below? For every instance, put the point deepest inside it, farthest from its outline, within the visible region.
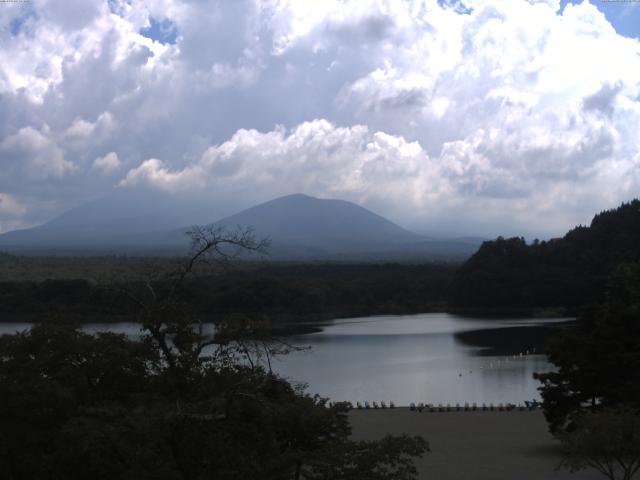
(311, 225)
(563, 273)
(127, 219)
(300, 227)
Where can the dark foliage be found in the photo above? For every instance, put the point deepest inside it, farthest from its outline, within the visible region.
(607, 441)
(511, 275)
(76, 406)
(598, 363)
(278, 291)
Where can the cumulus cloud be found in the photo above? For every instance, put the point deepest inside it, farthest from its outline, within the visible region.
(11, 206)
(12, 211)
(34, 155)
(107, 164)
(154, 172)
(502, 114)
(81, 129)
(316, 157)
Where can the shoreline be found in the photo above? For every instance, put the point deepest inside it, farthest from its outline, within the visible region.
(473, 445)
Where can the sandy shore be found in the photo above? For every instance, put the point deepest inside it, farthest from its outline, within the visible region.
(473, 445)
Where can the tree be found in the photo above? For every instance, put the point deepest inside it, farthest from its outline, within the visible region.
(598, 362)
(592, 400)
(608, 441)
(166, 317)
(179, 404)
(59, 387)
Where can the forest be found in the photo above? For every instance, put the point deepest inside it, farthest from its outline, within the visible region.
(510, 275)
(279, 291)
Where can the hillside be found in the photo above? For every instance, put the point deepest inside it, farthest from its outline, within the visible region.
(509, 274)
(299, 225)
(123, 220)
(300, 228)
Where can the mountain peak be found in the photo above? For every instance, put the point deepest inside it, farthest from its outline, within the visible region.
(295, 196)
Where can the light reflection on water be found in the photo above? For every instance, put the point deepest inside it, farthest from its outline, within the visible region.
(431, 358)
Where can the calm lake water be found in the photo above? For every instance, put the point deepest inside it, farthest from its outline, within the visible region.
(431, 358)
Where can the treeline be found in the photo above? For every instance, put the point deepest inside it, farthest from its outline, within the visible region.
(276, 291)
(509, 275)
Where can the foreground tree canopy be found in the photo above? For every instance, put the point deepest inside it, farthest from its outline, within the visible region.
(177, 404)
(598, 362)
(592, 400)
(607, 441)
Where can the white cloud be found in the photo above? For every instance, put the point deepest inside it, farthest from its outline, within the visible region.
(107, 164)
(504, 106)
(11, 206)
(12, 210)
(32, 154)
(316, 157)
(82, 133)
(155, 172)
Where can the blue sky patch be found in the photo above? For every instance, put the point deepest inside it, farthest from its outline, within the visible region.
(623, 15)
(16, 25)
(457, 5)
(163, 31)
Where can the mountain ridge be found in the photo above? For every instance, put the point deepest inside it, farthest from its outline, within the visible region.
(300, 227)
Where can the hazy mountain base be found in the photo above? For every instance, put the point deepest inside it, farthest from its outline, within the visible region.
(301, 228)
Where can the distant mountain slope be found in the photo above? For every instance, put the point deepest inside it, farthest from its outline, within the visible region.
(125, 218)
(300, 228)
(564, 272)
(306, 228)
(330, 226)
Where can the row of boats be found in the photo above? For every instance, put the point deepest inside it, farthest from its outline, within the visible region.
(374, 405)
(473, 407)
(466, 407)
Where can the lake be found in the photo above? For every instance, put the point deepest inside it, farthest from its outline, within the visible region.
(431, 358)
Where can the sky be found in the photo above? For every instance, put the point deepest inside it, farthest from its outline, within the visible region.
(472, 117)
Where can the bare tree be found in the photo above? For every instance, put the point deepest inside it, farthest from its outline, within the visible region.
(178, 332)
(170, 322)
